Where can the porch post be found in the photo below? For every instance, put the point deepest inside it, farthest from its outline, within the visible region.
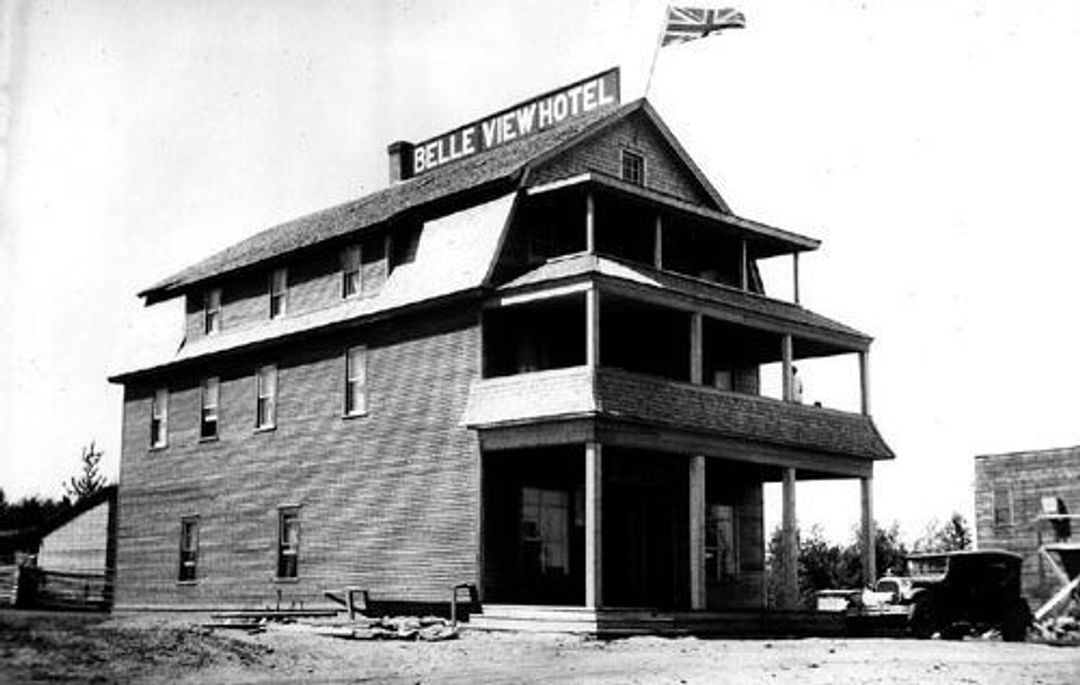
(789, 560)
(864, 380)
(592, 327)
(869, 557)
(590, 224)
(744, 266)
(593, 525)
(696, 321)
(786, 352)
(795, 275)
(697, 532)
(658, 243)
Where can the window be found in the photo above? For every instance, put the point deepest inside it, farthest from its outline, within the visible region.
(212, 310)
(288, 541)
(208, 423)
(355, 381)
(159, 418)
(1003, 507)
(350, 271)
(279, 289)
(545, 531)
(266, 392)
(633, 167)
(721, 551)
(189, 547)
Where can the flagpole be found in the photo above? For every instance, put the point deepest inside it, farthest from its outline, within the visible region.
(656, 50)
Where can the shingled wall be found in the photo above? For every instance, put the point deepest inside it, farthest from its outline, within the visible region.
(603, 153)
(388, 500)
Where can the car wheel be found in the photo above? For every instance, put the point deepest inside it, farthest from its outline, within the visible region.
(1015, 622)
(924, 619)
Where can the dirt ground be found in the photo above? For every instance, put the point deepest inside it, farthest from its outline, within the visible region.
(50, 647)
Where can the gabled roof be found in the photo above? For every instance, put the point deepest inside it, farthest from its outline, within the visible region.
(495, 169)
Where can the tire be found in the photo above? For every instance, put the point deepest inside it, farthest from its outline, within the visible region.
(1016, 621)
(923, 622)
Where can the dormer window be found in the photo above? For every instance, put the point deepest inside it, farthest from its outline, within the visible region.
(279, 290)
(212, 311)
(633, 167)
(350, 271)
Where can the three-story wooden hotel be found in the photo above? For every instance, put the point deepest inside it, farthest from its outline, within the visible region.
(531, 363)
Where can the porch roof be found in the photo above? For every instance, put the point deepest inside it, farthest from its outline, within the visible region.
(766, 310)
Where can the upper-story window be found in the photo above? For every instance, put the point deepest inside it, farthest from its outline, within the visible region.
(350, 271)
(212, 311)
(355, 381)
(633, 167)
(279, 290)
(189, 548)
(159, 418)
(208, 420)
(266, 396)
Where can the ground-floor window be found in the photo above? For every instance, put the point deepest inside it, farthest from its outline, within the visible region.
(189, 547)
(288, 541)
(545, 531)
(721, 552)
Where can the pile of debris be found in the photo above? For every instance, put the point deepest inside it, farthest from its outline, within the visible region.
(426, 628)
(330, 624)
(1063, 628)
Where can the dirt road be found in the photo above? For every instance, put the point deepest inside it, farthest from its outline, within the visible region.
(167, 649)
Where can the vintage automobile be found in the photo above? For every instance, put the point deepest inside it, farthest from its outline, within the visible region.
(954, 593)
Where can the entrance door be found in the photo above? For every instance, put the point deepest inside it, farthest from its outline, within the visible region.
(643, 535)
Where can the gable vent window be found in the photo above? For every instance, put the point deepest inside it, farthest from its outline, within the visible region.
(633, 168)
(279, 289)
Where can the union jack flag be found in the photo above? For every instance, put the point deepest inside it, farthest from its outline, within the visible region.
(690, 23)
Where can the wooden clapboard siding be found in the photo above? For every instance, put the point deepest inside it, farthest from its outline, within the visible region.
(1027, 477)
(388, 500)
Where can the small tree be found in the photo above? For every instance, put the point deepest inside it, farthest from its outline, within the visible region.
(90, 480)
(951, 536)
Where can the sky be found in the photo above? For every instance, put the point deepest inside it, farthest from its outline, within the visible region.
(932, 147)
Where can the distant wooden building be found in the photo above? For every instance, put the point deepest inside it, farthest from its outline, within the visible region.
(530, 363)
(84, 540)
(1017, 495)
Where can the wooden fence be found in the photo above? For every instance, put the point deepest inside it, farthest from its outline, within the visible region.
(62, 590)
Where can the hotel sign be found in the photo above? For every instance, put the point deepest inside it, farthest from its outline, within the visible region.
(519, 121)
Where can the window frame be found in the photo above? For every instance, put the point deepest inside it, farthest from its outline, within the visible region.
(1009, 507)
(189, 551)
(270, 399)
(205, 407)
(159, 421)
(288, 569)
(352, 276)
(278, 290)
(212, 317)
(632, 156)
(354, 379)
